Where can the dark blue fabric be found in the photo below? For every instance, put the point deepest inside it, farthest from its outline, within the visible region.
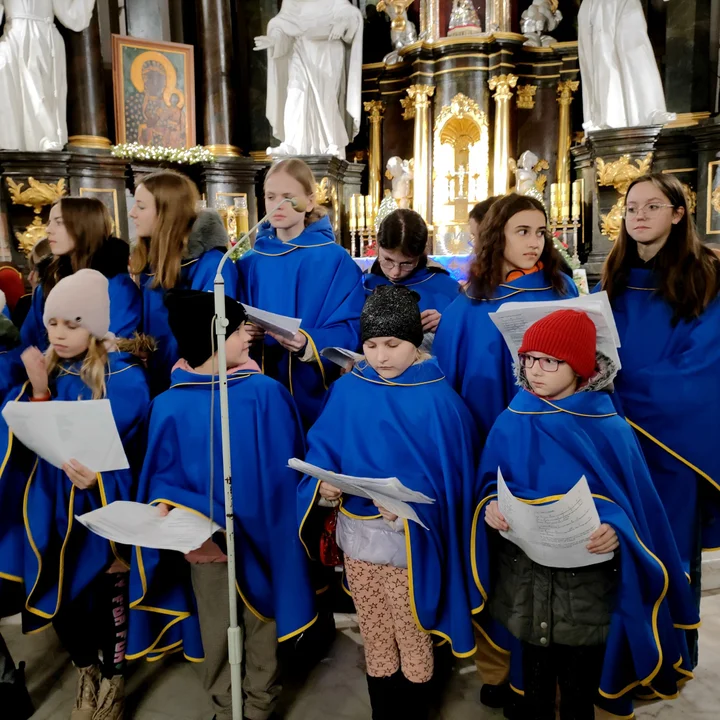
(272, 566)
(312, 278)
(472, 353)
(543, 448)
(417, 429)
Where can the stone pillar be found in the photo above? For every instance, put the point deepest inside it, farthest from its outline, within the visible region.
(216, 44)
(502, 85)
(87, 121)
(422, 185)
(375, 109)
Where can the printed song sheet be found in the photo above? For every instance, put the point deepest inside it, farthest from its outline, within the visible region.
(132, 523)
(514, 318)
(63, 430)
(556, 534)
(389, 493)
(282, 325)
(340, 356)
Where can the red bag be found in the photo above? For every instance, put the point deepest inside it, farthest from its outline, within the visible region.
(330, 553)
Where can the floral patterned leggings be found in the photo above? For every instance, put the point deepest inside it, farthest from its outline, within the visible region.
(391, 636)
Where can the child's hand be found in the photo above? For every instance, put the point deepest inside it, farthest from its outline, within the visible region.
(387, 515)
(297, 344)
(329, 492)
(164, 509)
(36, 369)
(494, 518)
(256, 333)
(603, 540)
(80, 476)
(430, 320)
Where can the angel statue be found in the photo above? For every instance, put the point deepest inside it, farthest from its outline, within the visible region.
(314, 76)
(541, 17)
(33, 73)
(526, 175)
(401, 174)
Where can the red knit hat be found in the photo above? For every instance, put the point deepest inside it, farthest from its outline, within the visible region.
(567, 335)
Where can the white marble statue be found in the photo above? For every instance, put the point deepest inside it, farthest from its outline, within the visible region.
(621, 84)
(314, 76)
(401, 173)
(525, 174)
(33, 75)
(402, 31)
(540, 18)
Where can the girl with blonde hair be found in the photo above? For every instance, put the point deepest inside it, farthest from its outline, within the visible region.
(177, 247)
(79, 234)
(296, 268)
(73, 579)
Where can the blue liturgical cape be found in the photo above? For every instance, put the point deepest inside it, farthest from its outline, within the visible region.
(435, 287)
(312, 278)
(543, 448)
(41, 543)
(125, 319)
(417, 429)
(669, 388)
(472, 353)
(272, 566)
(196, 274)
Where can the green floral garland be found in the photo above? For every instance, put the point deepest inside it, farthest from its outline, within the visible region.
(181, 156)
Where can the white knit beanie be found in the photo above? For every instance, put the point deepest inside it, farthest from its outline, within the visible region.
(81, 298)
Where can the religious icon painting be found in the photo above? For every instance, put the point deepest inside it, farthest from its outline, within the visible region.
(154, 87)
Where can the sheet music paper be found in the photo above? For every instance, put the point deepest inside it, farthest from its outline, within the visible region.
(390, 493)
(514, 318)
(132, 523)
(341, 356)
(556, 534)
(63, 430)
(282, 325)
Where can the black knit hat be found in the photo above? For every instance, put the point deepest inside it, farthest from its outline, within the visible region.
(190, 316)
(392, 311)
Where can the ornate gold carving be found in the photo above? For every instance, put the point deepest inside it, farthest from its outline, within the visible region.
(621, 172)
(690, 198)
(420, 95)
(408, 108)
(37, 195)
(322, 191)
(375, 110)
(526, 96)
(541, 179)
(502, 85)
(715, 199)
(565, 90)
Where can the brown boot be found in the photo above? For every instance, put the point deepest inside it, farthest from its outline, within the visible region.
(86, 693)
(111, 699)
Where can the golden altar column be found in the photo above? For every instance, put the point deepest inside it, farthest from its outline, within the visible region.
(375, 109)
(502, 85)
(565, 90)
(420, 96)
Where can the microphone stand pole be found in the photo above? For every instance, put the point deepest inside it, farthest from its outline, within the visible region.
(235, 633)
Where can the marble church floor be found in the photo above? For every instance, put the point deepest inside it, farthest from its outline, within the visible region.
(171, 690)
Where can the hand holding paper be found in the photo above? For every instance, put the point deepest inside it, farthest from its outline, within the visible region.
(286, 327)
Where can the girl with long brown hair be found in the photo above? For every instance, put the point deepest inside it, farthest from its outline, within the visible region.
(177, 247)
(514, 260)
(297, 269)
(80, 236)
(73, 579)
(663, 286)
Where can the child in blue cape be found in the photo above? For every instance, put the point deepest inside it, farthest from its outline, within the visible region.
(402, 260)
(515, 261)
(297, 269)
(73, 579)
(9, 334)
(182, 602)
(663, 286)
(604, 631)
(178, 246)
(405, 578)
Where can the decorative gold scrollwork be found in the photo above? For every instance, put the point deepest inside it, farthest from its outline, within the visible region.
(37, 195)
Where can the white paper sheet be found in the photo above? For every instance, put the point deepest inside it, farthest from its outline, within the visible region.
(282, 325)
(61, 430)
(341, 356)
(556, 534)
(514, 318)
(132, 523)
(390, 493)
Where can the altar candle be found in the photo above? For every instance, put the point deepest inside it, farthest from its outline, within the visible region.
(564, 201)
(360, 200)
(369, 210)
(576, 199)
(553, 202)
(353, 214)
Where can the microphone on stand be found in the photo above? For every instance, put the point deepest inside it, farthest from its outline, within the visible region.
(235, 639)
